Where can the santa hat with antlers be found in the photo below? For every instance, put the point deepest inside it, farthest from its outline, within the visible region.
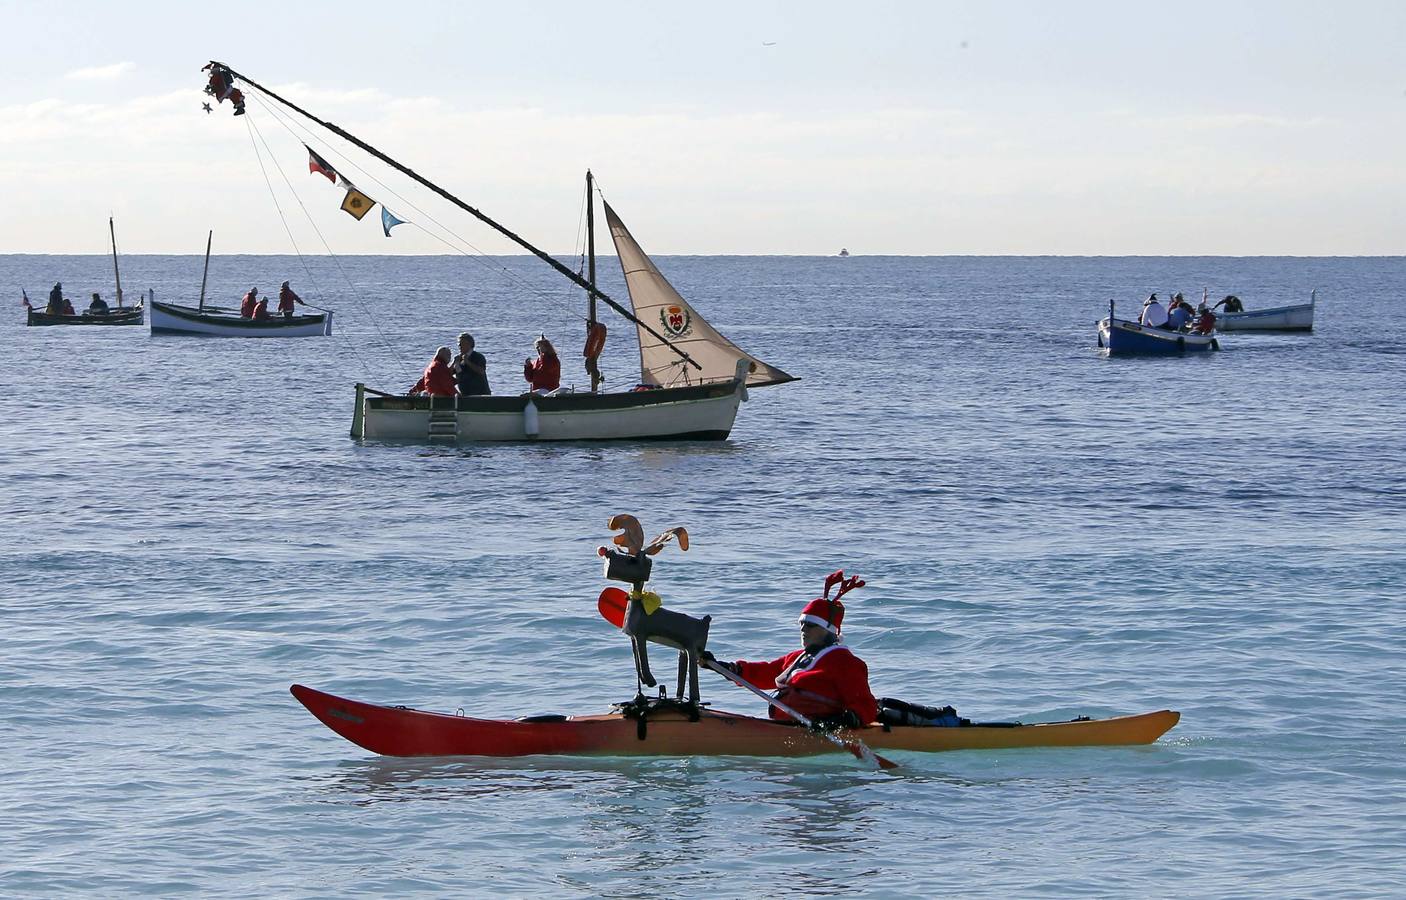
(826, 612)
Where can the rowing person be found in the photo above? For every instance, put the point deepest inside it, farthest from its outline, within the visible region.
(823, 680)
(1231, 303)
(286, 299)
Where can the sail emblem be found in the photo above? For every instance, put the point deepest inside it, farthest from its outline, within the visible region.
(676, 320)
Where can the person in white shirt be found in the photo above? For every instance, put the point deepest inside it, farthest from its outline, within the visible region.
(1154, 314)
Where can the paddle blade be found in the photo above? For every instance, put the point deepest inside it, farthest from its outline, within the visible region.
(863, 752)
(612, 606)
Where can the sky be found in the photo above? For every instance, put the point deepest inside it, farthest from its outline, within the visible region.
(914, 128)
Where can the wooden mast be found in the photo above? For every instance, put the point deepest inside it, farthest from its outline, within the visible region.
(116, 275)
(521, 242)
(205, 274)
(591, 274)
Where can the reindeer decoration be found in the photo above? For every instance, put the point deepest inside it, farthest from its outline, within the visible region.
(645, 619)
(851, 583)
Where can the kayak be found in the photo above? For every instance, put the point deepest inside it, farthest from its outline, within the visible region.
(671, 731)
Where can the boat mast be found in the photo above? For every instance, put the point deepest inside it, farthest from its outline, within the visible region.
(116, 275)
(591, 273)
(203, 275)
(521, 242)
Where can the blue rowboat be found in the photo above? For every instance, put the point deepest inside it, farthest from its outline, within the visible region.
(1122, 337)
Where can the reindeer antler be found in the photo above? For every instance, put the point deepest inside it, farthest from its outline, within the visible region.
(633, 537)
(846, 584)
(658, 543)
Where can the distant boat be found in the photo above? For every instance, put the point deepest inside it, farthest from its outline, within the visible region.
(1277, 318)
(130, 315)
(843, 252)
(214, 321)
(1123, 337)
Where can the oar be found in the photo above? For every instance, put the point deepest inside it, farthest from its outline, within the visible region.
(612, 609)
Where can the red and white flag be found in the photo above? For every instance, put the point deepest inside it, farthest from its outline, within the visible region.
(320, 166)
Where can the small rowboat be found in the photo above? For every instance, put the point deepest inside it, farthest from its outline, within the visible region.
(170, 318)
(130, 315)
(1122, 337)
(1277, 318)
(121, 315)
(400, 731)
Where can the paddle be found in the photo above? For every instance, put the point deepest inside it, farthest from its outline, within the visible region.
(612, 608)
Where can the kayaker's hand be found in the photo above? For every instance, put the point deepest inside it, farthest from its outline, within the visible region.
(708, 657)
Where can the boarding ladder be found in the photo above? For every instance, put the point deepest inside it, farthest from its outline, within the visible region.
(444, 424)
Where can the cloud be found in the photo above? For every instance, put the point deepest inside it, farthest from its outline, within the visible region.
(102, 73)
(1217, 121)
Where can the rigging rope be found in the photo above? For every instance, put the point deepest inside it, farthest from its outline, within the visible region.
(250, 127)
(477, 255)
(356, 293)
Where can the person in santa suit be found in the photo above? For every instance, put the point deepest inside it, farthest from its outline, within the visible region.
(823, 680)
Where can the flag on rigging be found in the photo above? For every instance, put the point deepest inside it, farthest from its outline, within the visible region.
(389, 221)
(356, 204)
(319, 165)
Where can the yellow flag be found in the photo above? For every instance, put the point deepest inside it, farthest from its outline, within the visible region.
(357, 204)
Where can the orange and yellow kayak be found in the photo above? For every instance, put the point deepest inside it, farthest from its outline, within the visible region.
(400, 731)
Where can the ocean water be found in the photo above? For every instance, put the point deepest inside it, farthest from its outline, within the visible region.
(1045, 532)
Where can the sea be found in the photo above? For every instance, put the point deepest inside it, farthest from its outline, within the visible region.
(1045, 532)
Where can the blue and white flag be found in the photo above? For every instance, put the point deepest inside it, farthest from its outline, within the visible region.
(389, 221)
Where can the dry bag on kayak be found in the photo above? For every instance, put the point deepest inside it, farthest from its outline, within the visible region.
(901, 712)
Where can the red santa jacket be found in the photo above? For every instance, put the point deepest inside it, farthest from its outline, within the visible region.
(438, 380)
(246, 306)
(833, 681)
(543, 373)
(261, 309)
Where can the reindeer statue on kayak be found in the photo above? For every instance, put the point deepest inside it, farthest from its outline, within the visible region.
(644, 618)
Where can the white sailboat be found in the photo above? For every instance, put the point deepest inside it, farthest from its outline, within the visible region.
(695, 380)
(692, 378)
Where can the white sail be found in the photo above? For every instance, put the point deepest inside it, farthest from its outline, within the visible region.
(659, 306)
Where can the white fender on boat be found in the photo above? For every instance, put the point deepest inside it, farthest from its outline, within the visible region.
(529, 418)
(744, 367)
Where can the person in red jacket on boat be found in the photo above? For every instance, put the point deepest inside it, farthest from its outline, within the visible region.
(438, 380)
(261, 310)
(246, 305)
(286, 299)
(544, 372)
(823, 680)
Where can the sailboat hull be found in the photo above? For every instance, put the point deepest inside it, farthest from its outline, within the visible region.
(703, 412)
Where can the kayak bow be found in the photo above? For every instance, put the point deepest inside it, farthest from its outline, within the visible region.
(400, 731)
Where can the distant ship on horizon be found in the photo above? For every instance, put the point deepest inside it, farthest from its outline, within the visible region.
(843, 252)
